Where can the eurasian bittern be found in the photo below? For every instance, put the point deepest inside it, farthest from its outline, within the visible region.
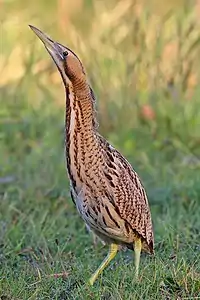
(106, 190)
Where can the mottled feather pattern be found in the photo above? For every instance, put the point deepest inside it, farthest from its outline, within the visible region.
(104, 187)
(107, 191)
(113, 201)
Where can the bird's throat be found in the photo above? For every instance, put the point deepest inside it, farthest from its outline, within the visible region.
(81, 140)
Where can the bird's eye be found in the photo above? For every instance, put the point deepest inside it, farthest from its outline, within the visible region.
(65, 53)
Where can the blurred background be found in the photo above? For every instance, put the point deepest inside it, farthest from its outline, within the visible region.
(143, 62)
(142, 59)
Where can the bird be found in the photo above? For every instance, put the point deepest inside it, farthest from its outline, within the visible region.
(106, 190)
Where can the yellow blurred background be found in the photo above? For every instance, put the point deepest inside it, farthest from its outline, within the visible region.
(158, 33)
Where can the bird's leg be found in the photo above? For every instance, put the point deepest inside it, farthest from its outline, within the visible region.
(137, 248)
(111, 254)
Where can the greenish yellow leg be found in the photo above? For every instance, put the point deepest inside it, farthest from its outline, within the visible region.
(112, 252)
(138, 248)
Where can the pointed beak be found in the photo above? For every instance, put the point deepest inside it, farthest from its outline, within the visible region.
(55, 49)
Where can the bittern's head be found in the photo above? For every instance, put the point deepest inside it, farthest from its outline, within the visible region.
(69, 65)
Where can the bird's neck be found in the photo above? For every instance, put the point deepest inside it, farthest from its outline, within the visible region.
(81, 137)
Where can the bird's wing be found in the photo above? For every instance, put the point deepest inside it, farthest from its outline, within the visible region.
(128, 194)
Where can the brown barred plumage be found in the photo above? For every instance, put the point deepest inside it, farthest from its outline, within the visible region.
(106, 190)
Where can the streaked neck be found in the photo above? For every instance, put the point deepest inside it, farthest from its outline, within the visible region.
(81, 139)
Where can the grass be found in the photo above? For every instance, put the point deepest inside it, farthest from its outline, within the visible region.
(153, 122)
